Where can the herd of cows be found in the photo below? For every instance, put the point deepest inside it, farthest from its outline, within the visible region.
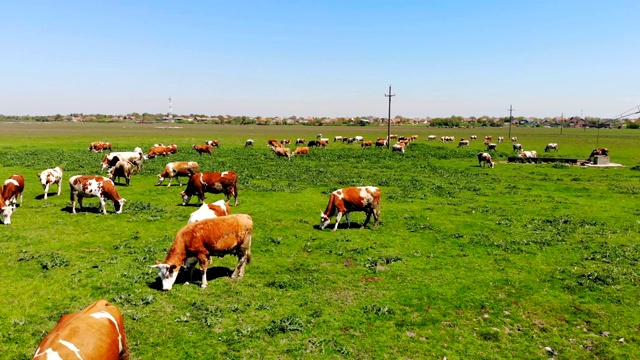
(97, 332)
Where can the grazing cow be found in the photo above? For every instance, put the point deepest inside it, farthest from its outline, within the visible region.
(313, 143)
(485, 158)
(6, 210)
(393, 136)
(285, 142)
(272, 142)
(366, 144)
(401, 138)
(599, 151)
(473, 137)
(214, 143)
(50, 177)
(157, 151)
(249, 142)
(528, 154)
(99, 146)
(135, 157)
(398, 147)
(301, 150)
(447, 139)
(347, 200)
(319, 136)
(95, 332)
(212, 182)
(551, 146)
(413, 137)
(122, 169)
(500, 139)
(171, 149)
(491, 146)
(226, 235)
(176, 169)
(83, 186)
(463, 142)
(431, 137)
(282, 151)
(13, 188)
(358, 138)
(488, 138)
(210, 211)
(300, 141)
(337, 138)
(203, 149)
(381, 143)
(517, 147)
(514, 139)
(323, 143)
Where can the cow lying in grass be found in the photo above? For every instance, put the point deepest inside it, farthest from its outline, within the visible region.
(226, 235)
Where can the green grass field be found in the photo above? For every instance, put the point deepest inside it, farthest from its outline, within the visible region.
(467, 263)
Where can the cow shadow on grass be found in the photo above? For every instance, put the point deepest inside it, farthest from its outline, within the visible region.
(86, 209)
(41, 196)
(213, 272)
(343, 226)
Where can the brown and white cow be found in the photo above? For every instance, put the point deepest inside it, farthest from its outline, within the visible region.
(431, 137)
(212, 182)
(381, 143)
(473, 137)
(528, 154)
(282, 151)
(156, 151)
(551, 146)
(491, 146)
(323, 143)
(272, 142)
(488, 138)
(226, 235)
(399, 146)
(599, 151)
(347, 200)
(284, 142)
(313, 143)
(337, 138)
(215, 143)
(171, 149)
(485, 158)
(514, 139)
(6, 210)
(83, 186)
(300, 141)
(366, 144)
(95, 332)
(500, 139)
(201, 149)
(50, 177)
(517, 147)
(135, 157)
(210, 211)
(99, 146)
(463, 142)
(13, 189)
(301, 150)
(176, 169)
(122, 169)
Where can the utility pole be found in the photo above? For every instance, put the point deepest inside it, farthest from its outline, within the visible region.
(561, 123)
(389, 119)
(510, 119)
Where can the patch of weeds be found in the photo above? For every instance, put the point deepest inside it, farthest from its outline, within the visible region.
(635, 168)
(183, 318)
(559, 165)
(53, 261)
(286, 324)
(489, 334)
(373, 264)
(276, 241)
(262, 306)
(18, 322)
(244, 331)
(285, 283)
(378, 310)
(307, 247)
(24, 255)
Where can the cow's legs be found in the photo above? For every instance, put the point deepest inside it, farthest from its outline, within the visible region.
(338, 217)
(170, 179)
(348, 216)
(376, 217)
(46, 190)
(103, 205)
(59, 188)
(366, 221)
(203, 260)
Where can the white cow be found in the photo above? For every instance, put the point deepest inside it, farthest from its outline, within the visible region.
(50, 177)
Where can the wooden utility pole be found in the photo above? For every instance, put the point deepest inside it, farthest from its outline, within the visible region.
(510, 119)
(561, 123)
(389, 119)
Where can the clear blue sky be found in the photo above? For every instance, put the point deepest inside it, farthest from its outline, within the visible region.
(320, 58)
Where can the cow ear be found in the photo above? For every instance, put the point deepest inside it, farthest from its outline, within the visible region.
(38, 174)
(172, 268)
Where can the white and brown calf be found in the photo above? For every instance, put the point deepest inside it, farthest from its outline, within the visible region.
(122, 169)
(485, 158)
(176, 169)
(50, 177)
(347, 200)
(13, 189)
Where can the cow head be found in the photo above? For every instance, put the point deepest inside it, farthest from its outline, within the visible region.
(324, 220)
(185, 198)
(7, 210)
(167, 274)
(119, 205)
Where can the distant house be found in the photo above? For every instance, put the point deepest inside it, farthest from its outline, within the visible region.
(577, 122)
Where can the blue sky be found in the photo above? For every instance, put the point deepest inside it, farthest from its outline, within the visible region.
(320, 58)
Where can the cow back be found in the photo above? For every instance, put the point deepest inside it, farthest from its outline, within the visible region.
(217, 236)
(96, 332)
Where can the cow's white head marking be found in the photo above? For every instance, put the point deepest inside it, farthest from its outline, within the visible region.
(167, 274)
(324, 220)
(6, 214)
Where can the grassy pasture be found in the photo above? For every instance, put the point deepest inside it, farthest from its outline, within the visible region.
(468, 262)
